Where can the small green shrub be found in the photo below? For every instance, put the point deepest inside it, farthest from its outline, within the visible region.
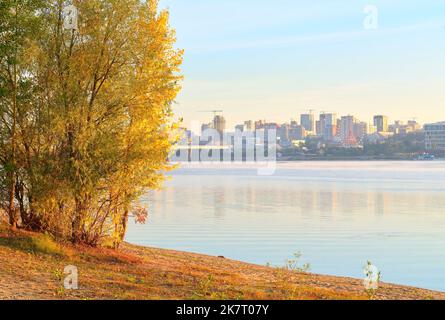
(204, 288)
(38, 244)
(294, 264)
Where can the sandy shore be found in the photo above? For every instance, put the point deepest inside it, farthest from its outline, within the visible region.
(31, 267)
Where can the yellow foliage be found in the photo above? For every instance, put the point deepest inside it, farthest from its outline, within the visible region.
(98, 133)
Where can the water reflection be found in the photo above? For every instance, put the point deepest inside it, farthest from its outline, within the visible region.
(330, 202)
(393, 215)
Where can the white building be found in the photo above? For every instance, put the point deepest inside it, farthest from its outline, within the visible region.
(327, 126)
(435, 136)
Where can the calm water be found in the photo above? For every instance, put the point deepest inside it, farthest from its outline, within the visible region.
(338, 215)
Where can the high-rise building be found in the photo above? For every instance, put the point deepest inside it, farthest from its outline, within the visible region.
(249, 125)
(328, 126)
(371, 129)
(297, 132)
(330, 132)
(414, 125)
(321, 124)
(219, 124)
(205, 126)
(403, 129)
(308, 122)
(381, 122)
(435, 136)
(259, 124)
(283, 132)
(331, 119)
(240, 127)
(347, 132)
(318, 128)
(361, 129)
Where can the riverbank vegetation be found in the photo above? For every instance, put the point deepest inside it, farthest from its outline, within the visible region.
(397, 147)
(85, 114)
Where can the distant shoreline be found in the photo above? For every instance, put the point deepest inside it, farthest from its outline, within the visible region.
(334, 159)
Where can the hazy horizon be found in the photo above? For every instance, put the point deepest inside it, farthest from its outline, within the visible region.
(261, 60)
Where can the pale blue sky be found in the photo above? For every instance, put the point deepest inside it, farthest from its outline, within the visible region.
(258, 59)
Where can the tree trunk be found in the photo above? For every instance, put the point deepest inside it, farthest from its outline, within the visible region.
(121, 230)
(76, 230)
(124, 225)
(13, 219)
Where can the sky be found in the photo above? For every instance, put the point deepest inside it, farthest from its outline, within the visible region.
(272, 60)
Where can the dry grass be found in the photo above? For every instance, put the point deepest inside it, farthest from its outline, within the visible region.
(31, 267)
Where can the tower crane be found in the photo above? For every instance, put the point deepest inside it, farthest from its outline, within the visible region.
(215, 112)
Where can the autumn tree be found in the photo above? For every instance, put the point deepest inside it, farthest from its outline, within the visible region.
(98, 131)
(19, 22)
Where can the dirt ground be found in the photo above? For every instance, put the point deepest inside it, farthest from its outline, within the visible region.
(33, 268)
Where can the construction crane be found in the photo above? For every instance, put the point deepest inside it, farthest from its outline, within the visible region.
(326, 112)
(215, 112)
(311, 111)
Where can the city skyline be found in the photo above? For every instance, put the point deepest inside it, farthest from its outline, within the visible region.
(275, 59)
(209, 121)
(331, 136)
